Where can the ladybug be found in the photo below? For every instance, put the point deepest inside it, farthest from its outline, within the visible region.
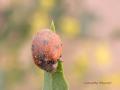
(46, 50)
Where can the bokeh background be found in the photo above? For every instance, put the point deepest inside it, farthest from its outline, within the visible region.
(90, 31)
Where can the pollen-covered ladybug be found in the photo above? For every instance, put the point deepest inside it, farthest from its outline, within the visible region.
(46, 49)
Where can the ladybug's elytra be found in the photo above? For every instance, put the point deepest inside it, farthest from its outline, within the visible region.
(46, 49)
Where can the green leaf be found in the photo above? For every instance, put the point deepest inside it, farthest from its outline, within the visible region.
(52, 27)
(56, 80)
(47, 81)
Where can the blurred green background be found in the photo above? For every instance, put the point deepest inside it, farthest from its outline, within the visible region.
(90, 31)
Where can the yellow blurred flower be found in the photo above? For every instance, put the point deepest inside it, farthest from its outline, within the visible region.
(102, 54)
(15, 1)
(70, 26)
(114, 78)
(47, 4)
(81, 65)
(40, 20)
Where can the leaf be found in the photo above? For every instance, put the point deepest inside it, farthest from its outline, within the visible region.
(59, 82)
(47, 81)
(56, 80)
(52, 27)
